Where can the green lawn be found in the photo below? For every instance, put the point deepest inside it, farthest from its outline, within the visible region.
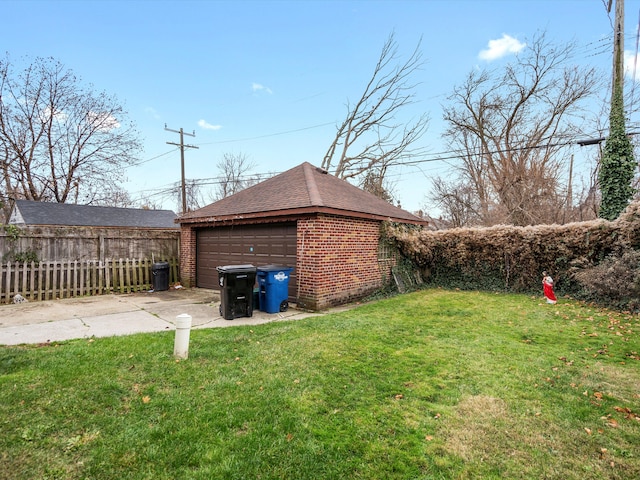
(433, 384)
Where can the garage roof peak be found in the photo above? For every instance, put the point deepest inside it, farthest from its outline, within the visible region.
(303, 189)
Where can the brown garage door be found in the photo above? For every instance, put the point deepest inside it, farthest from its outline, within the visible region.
(268, 244)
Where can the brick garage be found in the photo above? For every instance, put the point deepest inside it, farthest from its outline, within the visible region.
(324, 227)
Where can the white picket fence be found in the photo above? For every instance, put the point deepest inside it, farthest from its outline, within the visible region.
(66, 279)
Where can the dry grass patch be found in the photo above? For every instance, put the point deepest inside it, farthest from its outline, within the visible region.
(471, 434)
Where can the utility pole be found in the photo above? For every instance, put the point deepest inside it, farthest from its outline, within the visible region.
(182, 147)
(618, 46)
(618, 165)
(569, 204)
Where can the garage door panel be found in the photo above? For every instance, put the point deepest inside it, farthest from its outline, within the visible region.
(237, 245)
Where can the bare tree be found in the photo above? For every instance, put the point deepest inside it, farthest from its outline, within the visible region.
(233, 169)
(193, 195)
(149, 203)
(372, 137)
(374, 181)
(114, 197)
(510, 128)
(195, 198)
(458, 201)
(233, 177)
(60, 140)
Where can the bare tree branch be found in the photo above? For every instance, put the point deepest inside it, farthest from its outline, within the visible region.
(371, 137)
(233, 168)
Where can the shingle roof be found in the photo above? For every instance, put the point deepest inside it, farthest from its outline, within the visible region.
(28, 212)
(302, 189)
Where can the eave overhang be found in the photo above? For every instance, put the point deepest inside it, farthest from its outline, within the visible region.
(287, 215)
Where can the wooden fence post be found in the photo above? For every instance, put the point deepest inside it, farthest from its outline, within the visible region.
(32, 282)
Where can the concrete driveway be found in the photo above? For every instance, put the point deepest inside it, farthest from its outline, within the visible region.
(120, 314)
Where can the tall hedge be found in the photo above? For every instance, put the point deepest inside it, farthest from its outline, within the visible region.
(509, 258)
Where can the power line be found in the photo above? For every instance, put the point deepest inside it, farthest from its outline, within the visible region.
(269, 134)
(436, 157)
(456, 154)
(142, 162)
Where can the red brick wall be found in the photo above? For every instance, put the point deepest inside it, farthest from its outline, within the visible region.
(337, 260)
(188, 256)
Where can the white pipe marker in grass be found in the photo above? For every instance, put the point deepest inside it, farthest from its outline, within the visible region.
(183, 329)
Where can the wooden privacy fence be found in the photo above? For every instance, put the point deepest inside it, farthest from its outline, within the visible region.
(90, 243)
(66, 279)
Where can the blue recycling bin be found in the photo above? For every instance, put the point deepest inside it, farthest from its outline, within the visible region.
(273, 284)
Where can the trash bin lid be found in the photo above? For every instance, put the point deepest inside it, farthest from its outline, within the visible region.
(273, 268)
(237, 269)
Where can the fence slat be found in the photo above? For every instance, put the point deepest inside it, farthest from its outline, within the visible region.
(16, 278)
(127, 278)
(69, 284)
(121, 276)
(47, 281)
(135, 264)
(90, 278)
(9, 280)
(32, 282)
(107, 277)
(54, 280)
(146, 273)
(23, 290)
(100, 277)
(74, 278)
(82, 284)
(40, 295)
(5, 281)
(114, 275)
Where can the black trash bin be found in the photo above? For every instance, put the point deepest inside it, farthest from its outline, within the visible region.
(160, 276)
(236, 290)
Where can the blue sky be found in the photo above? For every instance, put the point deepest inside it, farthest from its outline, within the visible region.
(270, 79)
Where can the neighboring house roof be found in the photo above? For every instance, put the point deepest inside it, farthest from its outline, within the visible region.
(30, 213)
(303, 189)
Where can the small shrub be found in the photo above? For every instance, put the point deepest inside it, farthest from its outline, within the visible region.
(13, 234)
(615, 280)
(27, 256)
(12, 231)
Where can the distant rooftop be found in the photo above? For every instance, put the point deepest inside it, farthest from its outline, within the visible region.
(30, 213)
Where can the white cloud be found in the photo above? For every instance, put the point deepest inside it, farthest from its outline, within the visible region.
(257, 87)
(207, 126)
(103, 121)
(57, 116)
(631, 65)
(153, 112)
(501, 47)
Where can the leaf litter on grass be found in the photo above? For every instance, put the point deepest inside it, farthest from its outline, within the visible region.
(434, 384)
